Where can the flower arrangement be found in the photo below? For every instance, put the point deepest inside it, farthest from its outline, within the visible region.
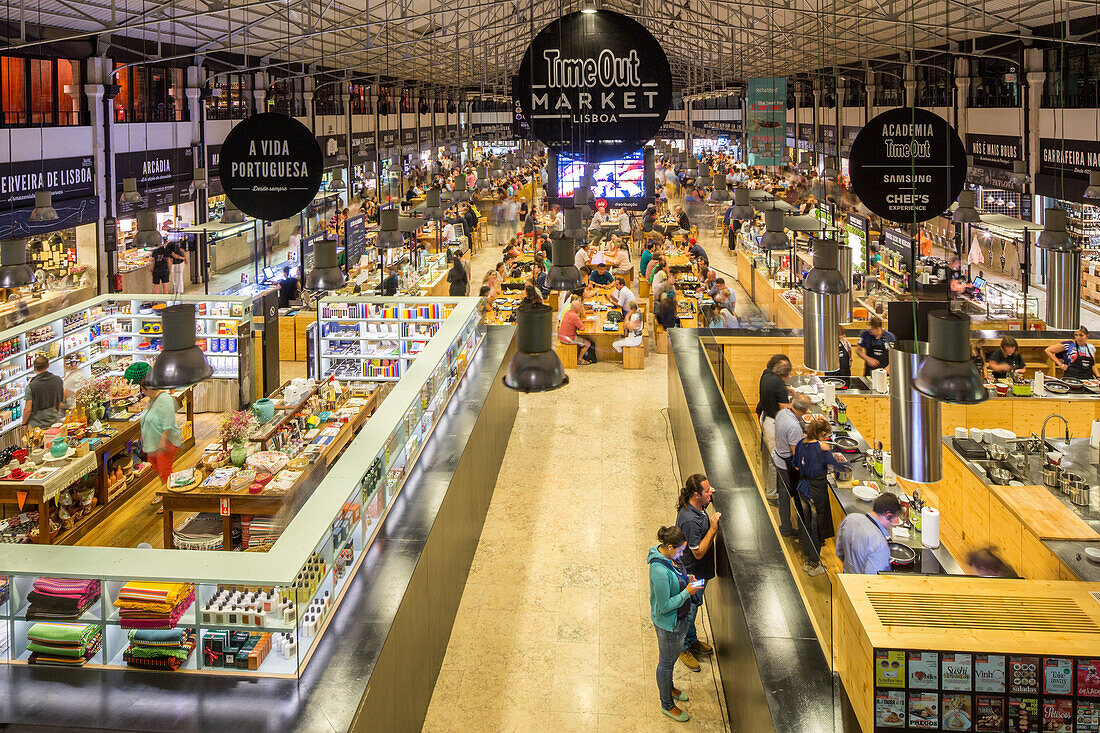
(235, 426)
(94, 392)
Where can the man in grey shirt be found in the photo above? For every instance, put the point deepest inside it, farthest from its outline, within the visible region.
(788, 433)
(45, 393)
(861, 540)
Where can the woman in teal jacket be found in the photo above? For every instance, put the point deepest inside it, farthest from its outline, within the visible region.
(669, 590)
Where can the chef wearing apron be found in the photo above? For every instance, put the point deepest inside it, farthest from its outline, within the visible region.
(872, 346)
(1077, 357)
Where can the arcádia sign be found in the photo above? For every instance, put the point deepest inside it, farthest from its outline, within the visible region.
(270, 166)
(907, 165)
(594, 84)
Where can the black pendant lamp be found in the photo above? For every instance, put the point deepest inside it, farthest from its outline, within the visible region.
(461, 194)
(148, 236)
(181, 363)
(564, 275)
(535, 367)
(14, 270)
(482, 181)
(574, 223)
(582, 195)
(692, 168)
(326, 273)
(965, 211)
(43, 207)
(742, 204)
(130, 193)
(389, 237)
(775, 236)
(704, 177)
(948, 374)
(433, 208)
(1093, 190)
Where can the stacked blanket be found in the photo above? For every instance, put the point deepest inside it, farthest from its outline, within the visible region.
(165, 649)
(65, 645)
(61, 598)
(149, 605)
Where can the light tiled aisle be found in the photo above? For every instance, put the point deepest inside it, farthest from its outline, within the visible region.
(553, 632)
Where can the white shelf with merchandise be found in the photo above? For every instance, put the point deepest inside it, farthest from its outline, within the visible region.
(375, 339)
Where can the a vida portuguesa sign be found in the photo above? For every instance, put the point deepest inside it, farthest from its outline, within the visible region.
(270, 166)
(594, 84)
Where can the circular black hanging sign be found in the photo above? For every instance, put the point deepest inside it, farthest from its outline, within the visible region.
(270, 166)
(594, 84)
(907, 165)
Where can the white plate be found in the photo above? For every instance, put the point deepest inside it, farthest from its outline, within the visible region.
(961, 433)
(1015, 483)
(977, 434)
(1093, 553)
(865, 493)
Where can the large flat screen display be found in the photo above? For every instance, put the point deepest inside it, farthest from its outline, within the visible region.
(625, 182)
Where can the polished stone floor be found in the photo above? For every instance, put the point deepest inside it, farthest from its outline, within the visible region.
(553, 632)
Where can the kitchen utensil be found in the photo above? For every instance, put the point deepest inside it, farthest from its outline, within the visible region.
(901, 554)
(865, 493)
(847, 445)
(1080, 495)
(1052, 476)
(1002, 389)
(1072, 383)
(1000, 476)
(843, 475)
(968, 448)
(977, 435)
(1055, 387)
(997, 451)
(1021, 389)
(1071, 481)
(1054, 457)
(836, 382)
(1001, 436)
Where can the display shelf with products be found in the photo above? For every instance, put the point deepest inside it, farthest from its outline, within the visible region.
(244, 614)
(365, 339)
(1083, 224)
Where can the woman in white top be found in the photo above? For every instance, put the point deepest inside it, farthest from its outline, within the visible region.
(633, 331)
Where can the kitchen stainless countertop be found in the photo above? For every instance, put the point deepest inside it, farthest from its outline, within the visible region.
(861, 386)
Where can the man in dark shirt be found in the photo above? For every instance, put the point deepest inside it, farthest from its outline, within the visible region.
(774, 396)
(682, 219)
(288, 288)
(872, 346)
(45, 393)
(390, 284)
(470, 217)
(698, 558)
(696, 250)
(1006, 360)
(601, 276)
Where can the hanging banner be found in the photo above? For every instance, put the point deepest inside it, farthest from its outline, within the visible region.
(594, 84)
(16, 223)
(65, 178)
(355, 236)
(162, 177)
(213, 180)
(766, 119)
(363, 148)
(270, 166)
(1064, 167)
(332, 148)
(907, 165)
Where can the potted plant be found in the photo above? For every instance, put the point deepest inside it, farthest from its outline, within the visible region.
(235, 427)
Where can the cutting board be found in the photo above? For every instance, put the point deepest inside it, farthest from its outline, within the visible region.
(1043, 514)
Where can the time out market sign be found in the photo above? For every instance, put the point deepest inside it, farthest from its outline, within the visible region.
(594, 84)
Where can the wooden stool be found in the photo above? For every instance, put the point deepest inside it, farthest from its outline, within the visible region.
(634, 357)
(719, 223)
(662, 339)
(568, 355)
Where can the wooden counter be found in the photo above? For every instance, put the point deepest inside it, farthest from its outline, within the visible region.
(952, 614)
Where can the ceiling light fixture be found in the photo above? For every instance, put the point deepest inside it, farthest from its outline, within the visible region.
(43, 207)
(535, 367)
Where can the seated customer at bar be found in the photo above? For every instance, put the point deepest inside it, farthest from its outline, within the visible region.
(861, 540)
(1006, 360)
(601, 276)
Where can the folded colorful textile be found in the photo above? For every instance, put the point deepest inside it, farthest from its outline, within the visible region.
(144, 657)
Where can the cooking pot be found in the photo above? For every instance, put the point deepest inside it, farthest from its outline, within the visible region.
(1071, 481)
(1080, 495)
(843, 475)
(1052, 476)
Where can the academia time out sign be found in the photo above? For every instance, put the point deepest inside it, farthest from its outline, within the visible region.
(270, 166)
(594, 84)
(907, 165)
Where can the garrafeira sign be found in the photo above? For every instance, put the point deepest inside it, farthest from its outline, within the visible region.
(594, 84)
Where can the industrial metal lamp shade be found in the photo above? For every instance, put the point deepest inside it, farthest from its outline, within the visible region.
(231, 214)
(14, 270)
(822, 289)
(742, 203)
(1093, 191)
(198, 181)
(388, 235)
(181, 363)
(830, 170)
(563, 275)
(326, 273)
(43, 207)
(461, 194)
(582, 195)
(692, 168)
(704, 177)
(948, 374)
(395, 164)
(1020, 173)
(336, 183)
(775, 237)
(574, 223)
(535, 367)
(147, 235)
(1054, 234)
(721, 191)
(433, 209)
(965, 212)
(804, 164)
(130, 193)
(482, 181)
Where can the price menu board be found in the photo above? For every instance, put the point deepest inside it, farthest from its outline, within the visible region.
(985, 693)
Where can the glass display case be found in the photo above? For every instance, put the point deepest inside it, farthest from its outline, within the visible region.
(248, 614)
(1002, 302)
(773, 265)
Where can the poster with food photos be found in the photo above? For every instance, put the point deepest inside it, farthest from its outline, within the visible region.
(957, 711)
(1057, 715)
(1087, 716)
(989, 714)
(890, 668)
(889, 708)
(924, 670)
(989, 673)
(1023, 714)
(1057, 676)
(957, 672)
(1088, 677)
(1023, 675)
(924, 710)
